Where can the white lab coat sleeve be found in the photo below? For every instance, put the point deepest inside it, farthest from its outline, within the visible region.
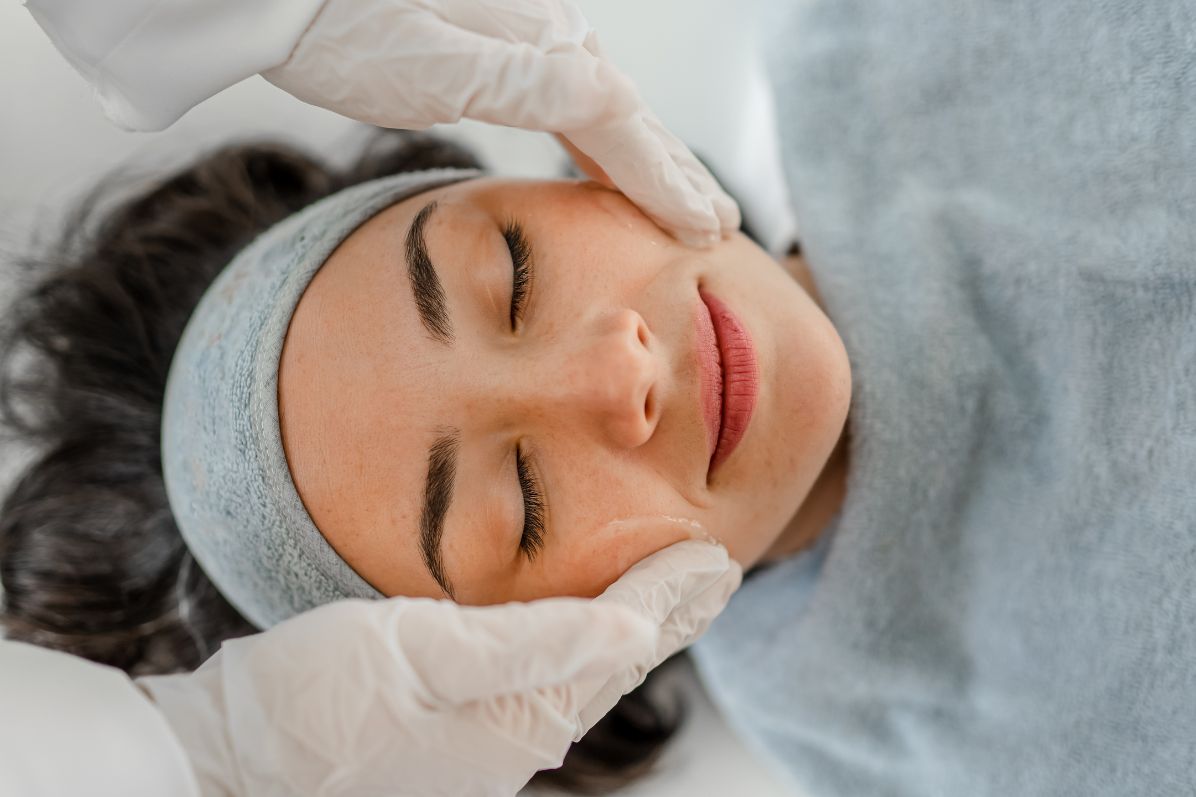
(70, 726)
(150, 61)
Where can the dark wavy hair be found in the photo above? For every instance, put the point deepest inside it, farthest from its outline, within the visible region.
(91, 560)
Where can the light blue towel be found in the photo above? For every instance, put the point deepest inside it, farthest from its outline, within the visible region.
(998, 200)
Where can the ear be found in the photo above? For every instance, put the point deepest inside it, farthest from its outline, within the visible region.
(584, 162)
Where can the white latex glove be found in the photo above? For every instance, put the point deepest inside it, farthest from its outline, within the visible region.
(424, 697)
(533, 64)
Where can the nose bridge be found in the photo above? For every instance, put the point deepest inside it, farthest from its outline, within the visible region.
(603, 377)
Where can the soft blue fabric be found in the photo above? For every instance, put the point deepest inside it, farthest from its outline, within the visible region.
(998, 201)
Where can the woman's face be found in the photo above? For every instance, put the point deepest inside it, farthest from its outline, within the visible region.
(448, 444)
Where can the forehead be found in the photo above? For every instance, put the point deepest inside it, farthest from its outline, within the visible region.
(358, 381)
(340, 436)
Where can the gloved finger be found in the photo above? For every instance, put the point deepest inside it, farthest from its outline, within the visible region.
(518, 85)
(690, 620)
(544, 24)
(642, 167)
(700, 178)
(679, 588)
(680, 630)
(669, 578)
(466, 653)
(725, 208)
(689, 599)
(592, 45)
(533, 730)
(585, 163)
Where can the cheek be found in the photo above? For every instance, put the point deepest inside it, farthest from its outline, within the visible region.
(607, 521)
(609, 549)
(595, 243)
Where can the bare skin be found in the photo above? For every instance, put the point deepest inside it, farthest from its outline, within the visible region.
(594, 388)
(830, 489)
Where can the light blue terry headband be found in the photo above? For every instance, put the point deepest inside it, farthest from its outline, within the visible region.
(226, 474)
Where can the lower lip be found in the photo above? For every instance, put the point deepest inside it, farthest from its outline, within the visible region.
(739, 382)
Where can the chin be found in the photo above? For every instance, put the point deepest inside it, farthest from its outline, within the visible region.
(748, 552)
(796, 448)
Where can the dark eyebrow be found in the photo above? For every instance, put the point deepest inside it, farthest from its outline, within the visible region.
(429, 294)
(438, 495)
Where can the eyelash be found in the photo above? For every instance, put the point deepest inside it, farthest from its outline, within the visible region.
(532, 539)
(533, 508)
(521, 267)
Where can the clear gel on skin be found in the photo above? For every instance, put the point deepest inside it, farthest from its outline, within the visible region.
(692, 528)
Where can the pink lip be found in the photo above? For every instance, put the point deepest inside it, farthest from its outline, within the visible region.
(710, 378)
(729, 377)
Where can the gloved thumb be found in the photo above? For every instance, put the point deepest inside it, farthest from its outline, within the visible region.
(588, 166)
(564, 89)
(466, 653)
(681, 589)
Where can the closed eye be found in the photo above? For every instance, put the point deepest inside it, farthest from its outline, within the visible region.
(521, 269)
(532, 540)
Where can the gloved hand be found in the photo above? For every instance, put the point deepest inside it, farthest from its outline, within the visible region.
(533, 64)
(424, 697)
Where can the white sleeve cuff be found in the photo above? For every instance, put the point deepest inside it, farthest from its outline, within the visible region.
(151, 61)
(71, 726)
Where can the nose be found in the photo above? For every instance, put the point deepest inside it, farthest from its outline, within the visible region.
(607, 378)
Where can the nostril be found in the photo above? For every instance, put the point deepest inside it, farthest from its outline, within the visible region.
(641, 332)
(649, 406)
